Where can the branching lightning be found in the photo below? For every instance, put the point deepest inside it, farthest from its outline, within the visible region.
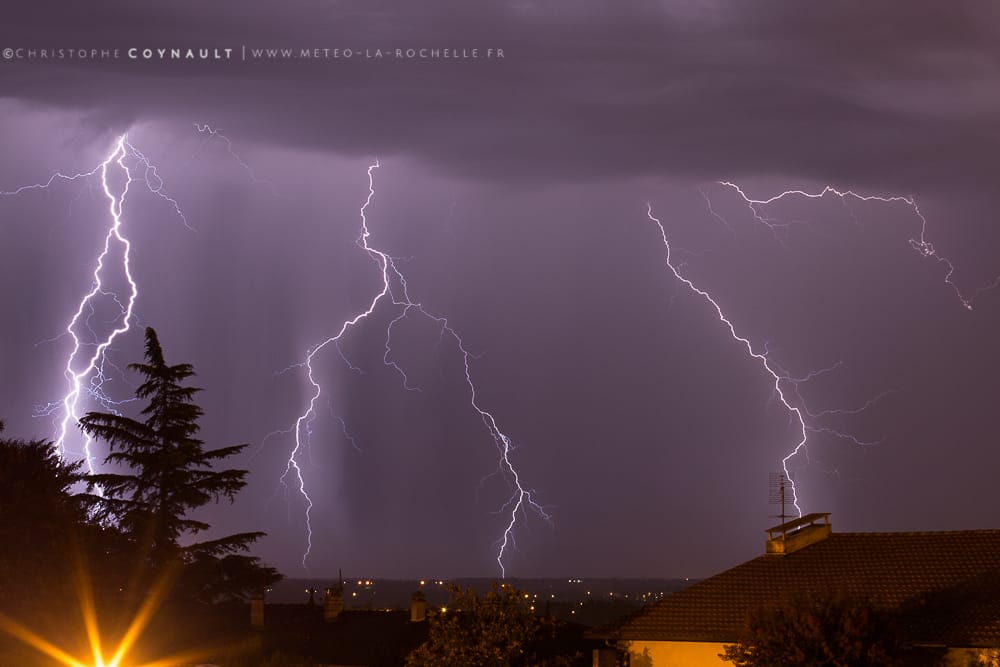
(919, 243)
(394, 292)
(216, 133)
(786, 387)
(780, 379)
(85, 367)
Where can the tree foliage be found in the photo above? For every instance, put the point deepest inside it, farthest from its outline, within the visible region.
(48, 545)
(500, 629)
(166, 472)
(35, 494)
(986, 657)
(39, 515)
(831, 631)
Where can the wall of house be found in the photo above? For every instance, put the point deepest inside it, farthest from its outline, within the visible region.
(706, 654)
(675, 654)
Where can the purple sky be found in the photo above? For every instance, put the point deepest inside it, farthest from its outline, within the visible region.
(514, 189)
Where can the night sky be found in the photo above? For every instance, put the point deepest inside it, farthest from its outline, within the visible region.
(514, 192)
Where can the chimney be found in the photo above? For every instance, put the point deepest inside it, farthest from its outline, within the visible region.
(797, 534)
(418, 607)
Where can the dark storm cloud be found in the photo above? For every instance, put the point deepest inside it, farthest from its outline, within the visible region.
(689, 90)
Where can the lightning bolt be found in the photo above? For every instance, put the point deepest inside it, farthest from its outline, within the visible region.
(85, 365)
(786, 386)
(216, 133)
(919, 243)
(394, 292)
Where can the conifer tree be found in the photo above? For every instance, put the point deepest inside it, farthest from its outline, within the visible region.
(167, 473)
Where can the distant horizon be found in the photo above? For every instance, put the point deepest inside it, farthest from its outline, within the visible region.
(388, 592)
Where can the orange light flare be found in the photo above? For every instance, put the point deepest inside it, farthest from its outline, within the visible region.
(97, 651)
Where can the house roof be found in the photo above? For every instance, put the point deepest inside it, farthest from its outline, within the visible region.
(946, 585)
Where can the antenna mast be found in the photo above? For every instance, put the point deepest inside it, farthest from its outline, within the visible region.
(778, 484)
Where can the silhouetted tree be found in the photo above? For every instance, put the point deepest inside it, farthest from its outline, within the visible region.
(833, 631)
(987, 657)
(499, 629)
(47, 544)
(168, 474)
(38, 515)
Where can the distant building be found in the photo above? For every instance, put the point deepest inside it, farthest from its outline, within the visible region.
(943, 587)
(332, 635)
